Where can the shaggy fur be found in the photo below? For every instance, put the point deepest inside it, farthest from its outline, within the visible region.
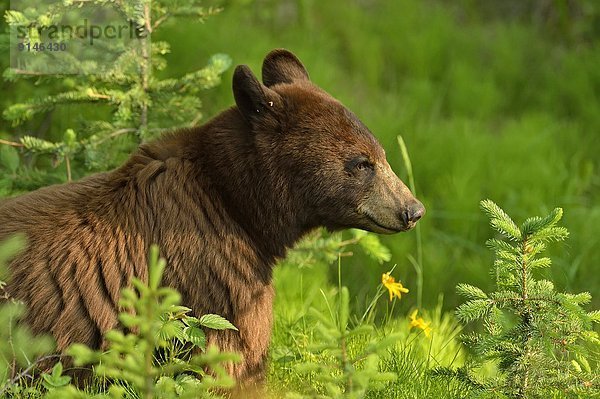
(223, 201)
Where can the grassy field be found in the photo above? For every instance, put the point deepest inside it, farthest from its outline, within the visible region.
(489, 108)
(493, 101)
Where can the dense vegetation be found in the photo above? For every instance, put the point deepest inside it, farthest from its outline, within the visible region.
(492, 101)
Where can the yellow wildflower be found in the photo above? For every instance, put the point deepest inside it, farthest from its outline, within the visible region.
(393, 287)
(419, 323)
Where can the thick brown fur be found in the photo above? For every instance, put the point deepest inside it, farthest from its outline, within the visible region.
(223, 201)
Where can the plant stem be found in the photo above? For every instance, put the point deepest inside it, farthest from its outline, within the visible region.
(345, 363)
(11, 143)
(25, 373)
(418, 265)
(68, 165)
(526, 320)
(149, 355)
(339, 272)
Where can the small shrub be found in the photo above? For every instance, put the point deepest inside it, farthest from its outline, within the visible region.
(540, 340)
(186, 367)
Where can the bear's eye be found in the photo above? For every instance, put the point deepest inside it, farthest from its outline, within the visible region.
(358, 164)
(364, 165)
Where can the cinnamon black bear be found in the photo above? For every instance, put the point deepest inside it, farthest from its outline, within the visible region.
(223, 201)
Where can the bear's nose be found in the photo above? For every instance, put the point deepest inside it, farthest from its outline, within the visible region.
(413, 213)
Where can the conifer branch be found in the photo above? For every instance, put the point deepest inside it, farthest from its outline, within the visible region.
(139, 101)
(19, 113)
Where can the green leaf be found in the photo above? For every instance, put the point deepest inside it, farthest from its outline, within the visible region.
(13, 17)
(196, 336)
(580, 299)
(56, 379)
(82, 354)
(70, 137)
(220, 62)
(216, 322)
(57, 370)
(9, 248)
(36, 145)
(9, 158)
(583, 362)
(550, 234)
(156, 267)
(499, 245)
(180, 312)
(594, 316)
(169, 330)
(542, 287)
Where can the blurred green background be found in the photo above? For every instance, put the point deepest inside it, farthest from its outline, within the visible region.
(494, 100)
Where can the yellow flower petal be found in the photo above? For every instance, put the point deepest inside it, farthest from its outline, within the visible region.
(387, 279)
(413, 315)
(394, 288)
(418, 322)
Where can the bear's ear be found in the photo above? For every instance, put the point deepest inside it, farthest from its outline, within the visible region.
(254, 100)
(281, 66)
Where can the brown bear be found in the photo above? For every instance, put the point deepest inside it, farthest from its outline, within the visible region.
(223, 201)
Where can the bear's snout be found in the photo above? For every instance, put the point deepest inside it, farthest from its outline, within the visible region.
(389, 206)
(411, 215)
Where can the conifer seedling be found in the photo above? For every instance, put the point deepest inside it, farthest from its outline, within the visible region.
(540, 340)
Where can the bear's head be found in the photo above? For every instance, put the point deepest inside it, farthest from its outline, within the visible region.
(324, 157)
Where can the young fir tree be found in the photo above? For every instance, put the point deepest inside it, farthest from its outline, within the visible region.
(141, 104)
(541, 340)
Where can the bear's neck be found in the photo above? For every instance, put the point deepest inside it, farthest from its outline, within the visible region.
(251, 193)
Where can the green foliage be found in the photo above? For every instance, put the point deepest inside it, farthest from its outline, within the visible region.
(541, 340)
(321, 248)
(19, 349)
(55, 379)
(141, 104)
(160, 323)
(339, 372)
(307, 356)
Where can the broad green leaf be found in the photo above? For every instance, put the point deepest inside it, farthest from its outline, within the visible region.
(196, 336)
(216, 322)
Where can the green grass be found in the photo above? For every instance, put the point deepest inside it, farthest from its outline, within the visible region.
(410, 357)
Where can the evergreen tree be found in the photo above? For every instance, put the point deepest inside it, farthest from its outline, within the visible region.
(541, 340)
(142, 105)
